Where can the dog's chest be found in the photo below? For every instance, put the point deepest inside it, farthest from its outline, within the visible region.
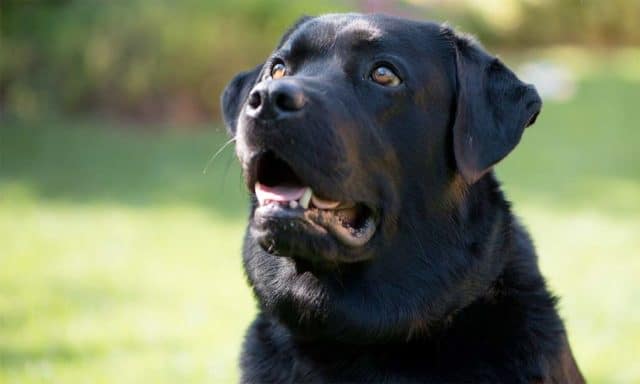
(271, 355)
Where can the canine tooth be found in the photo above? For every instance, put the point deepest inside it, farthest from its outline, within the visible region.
(306, 197)
(293, 204)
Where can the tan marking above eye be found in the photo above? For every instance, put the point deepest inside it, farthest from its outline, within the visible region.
(384, 75)
(278, 71)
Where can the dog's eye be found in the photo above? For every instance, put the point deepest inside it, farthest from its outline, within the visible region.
(384, 75)
(278, 71)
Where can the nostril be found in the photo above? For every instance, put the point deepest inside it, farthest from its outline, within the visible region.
(255, 100)
(274, 99)
(289, 99)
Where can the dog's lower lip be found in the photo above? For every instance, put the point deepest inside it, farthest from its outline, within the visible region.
(333, 221)
(350, 223)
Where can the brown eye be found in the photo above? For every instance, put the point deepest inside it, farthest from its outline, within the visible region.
(383, 75)
(278, 71)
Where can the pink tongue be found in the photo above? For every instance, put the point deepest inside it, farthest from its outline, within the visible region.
(278, 193)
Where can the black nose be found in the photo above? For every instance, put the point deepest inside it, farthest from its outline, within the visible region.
(275, 99)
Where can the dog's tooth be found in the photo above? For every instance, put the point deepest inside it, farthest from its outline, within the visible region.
(306, 198)
(324, 204)
(293, 204)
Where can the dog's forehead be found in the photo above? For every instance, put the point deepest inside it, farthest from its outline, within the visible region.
(352, 28)
(325, 32)
(322, 34)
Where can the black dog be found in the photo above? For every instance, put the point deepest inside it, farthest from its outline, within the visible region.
(380, 246)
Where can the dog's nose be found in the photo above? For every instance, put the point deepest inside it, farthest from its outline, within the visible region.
(275, 99)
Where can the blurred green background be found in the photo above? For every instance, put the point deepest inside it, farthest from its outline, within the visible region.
(120, 257)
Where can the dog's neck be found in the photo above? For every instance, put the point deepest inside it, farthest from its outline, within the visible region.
(480, 225)
(484, 216)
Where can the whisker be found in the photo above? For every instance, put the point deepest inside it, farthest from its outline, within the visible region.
(226, 171)
(215, 155)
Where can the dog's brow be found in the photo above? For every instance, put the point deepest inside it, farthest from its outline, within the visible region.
(304, 45)
(360, 39)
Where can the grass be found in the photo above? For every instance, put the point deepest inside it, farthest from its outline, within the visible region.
(120, 258)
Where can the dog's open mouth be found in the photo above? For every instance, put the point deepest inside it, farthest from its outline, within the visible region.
(280, 192)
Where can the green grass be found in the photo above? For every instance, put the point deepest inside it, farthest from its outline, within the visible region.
(120, 259)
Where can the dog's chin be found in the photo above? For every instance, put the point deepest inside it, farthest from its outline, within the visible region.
(315, 235)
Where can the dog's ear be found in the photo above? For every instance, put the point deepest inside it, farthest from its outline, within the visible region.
(235, 95)
(493, 109)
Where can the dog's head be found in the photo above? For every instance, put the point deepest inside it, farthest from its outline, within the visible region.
(360, 139)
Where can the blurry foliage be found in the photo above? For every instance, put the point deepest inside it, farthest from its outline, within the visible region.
(524, 23)
(168, 61)
(151, 60)
(611, 22)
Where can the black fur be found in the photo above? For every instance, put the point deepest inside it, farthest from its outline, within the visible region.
(448, 289)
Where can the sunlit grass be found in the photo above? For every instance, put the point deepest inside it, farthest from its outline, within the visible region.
(119, 294)
(120, 259)
(591, 260)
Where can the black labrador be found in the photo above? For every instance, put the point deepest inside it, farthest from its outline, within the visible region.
(379, 245)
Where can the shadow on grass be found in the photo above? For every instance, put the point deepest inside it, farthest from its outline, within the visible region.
(85, 163)
(574, 156)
